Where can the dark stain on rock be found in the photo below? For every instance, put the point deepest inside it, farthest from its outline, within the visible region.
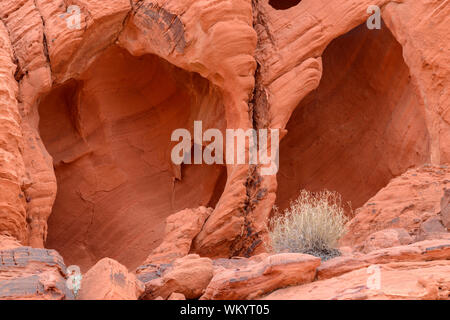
(168, 25)
(16, 261)
(119, 278)
(444, 246)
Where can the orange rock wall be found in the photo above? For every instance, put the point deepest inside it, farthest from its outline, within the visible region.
(79, 111)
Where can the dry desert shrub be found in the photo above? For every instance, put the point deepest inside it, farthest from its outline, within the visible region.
(312, 224)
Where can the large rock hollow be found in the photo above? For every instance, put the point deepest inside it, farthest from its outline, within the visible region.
(109, 134)
(283, 4)
(363, 126)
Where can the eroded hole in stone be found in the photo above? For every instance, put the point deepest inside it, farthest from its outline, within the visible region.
(363, 126)
(284, 4)
(109, 134)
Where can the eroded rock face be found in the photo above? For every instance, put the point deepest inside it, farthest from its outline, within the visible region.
(181, 228)
(414, 272)
(386, 238)
(110, 137)
(86, 115)
(410, 201)
(8, 242)
(428, 250)
(188, 276)
(252, 279)
(109, 280)
(400, 281)
(445, 209)
(176, 296)
(13, 201)
(354, 131)
(81, 93)
(32, 274)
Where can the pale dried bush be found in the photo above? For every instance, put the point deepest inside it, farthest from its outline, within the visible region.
(313, 224)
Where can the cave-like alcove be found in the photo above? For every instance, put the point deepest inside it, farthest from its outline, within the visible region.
(283, 4)
(109, 134)
(363, 126)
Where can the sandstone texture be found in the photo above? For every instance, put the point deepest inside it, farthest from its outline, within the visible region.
(109, 280)
(421, 251)
(256, 279)
(188, 276)
(445, 209)
(400, 281)
(91, 92)
(411, 202)
(181, 228)
(177, 296)
(32, 274)
(386, 238)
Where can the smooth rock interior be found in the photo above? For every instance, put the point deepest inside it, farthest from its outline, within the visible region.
(109, 134)
(363, 126)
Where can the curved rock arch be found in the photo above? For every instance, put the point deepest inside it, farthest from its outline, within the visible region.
(220, 44)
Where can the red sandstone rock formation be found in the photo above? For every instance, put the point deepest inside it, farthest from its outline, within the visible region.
(109, 280)
(86, 116)
(189, 276)
(410, 201)
(251, 280)
(32, 274)
(401, 281)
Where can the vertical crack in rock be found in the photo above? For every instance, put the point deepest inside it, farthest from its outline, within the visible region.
(250, 238)
(18, 75)
(85, 241)
(258, 105)
(44, 36)
(125, 20)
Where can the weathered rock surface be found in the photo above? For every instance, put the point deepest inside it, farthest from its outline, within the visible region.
(12, 169)
(300, 69)
(407, 202)
(251, 279)
(399, 281)
(428, 250)
(32, 274)
(365, 132)
(176, 296)
(445, 209)
(114, 163)
(109, 280)
(432, 228)
(87, 112)
(417, 271)
(105, 106)
(189, 276)
(181, 229)
(8, 242)
(386, 238)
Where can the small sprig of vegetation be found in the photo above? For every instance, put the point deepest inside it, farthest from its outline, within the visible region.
(312, 224)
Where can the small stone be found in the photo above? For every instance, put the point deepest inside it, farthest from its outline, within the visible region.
(177, 296)
(110, 280)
